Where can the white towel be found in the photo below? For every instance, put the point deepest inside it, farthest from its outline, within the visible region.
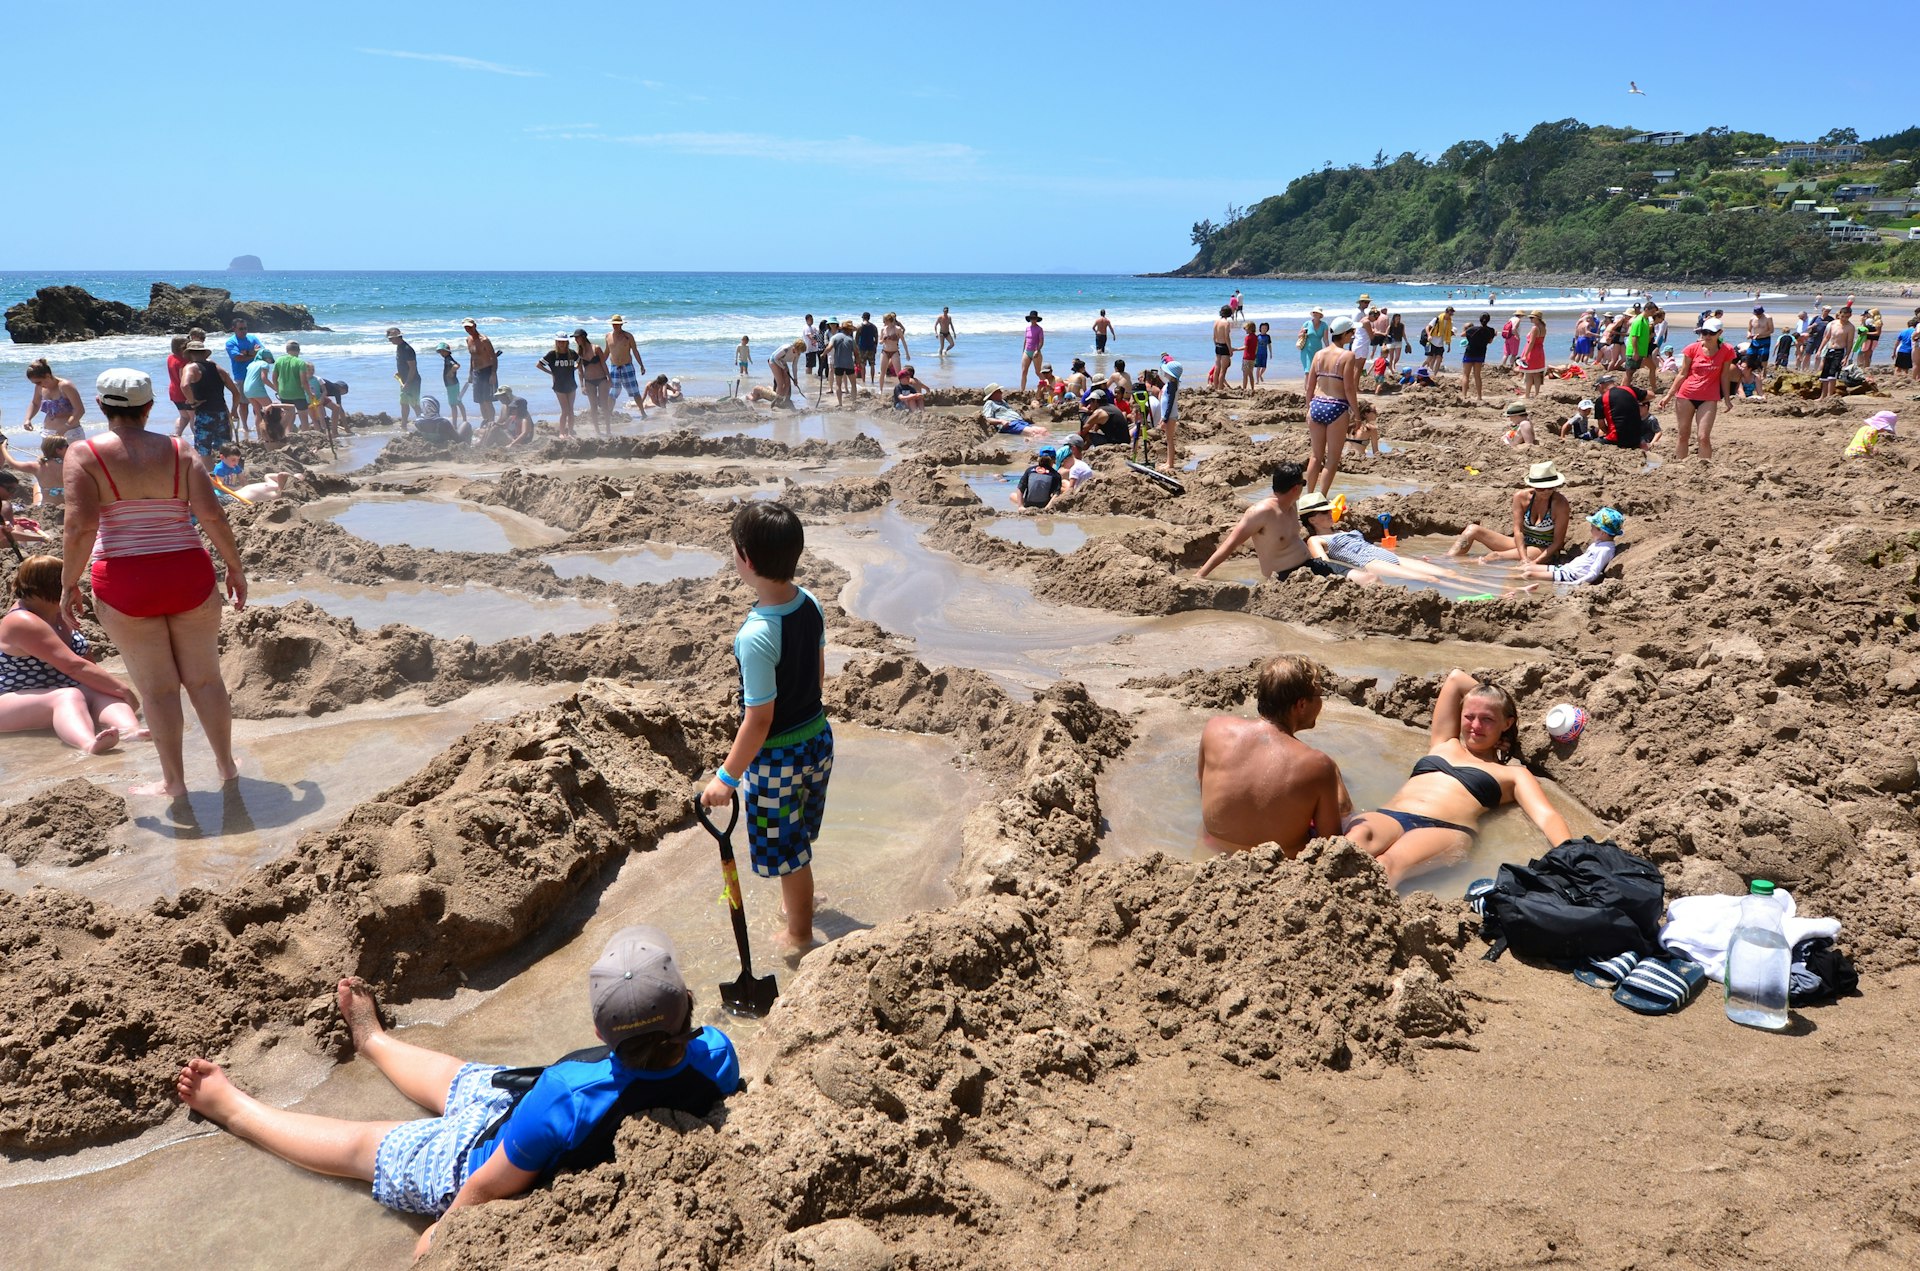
(1701, 927)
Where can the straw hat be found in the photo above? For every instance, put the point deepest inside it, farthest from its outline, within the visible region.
(1311, 503)
(1544, 476)
(992, 389)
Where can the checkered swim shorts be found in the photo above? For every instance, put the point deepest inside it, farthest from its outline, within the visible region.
(421, 1165)
(624, 380)
(785, 795)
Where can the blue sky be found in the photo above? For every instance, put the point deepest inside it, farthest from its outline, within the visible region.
(967, 137)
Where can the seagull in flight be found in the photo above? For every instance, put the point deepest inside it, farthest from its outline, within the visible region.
(1635, 89)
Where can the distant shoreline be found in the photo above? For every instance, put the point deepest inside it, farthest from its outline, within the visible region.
(1503, 280)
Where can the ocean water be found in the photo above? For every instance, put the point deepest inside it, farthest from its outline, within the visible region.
(689, 323)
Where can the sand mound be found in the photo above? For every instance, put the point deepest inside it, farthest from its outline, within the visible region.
(944, 1073)
(66, 824)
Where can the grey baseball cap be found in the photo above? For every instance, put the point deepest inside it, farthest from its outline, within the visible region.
(636, 987)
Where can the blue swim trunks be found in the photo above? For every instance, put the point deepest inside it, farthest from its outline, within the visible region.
(624, 380)
(785, 795)
(421, 1165)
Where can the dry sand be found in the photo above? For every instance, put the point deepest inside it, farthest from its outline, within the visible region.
(1089, 1063)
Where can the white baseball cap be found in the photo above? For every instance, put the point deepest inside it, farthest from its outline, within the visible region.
(123, 386)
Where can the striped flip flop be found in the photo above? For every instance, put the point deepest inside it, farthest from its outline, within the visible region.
(1606, 973)
(1660, 986)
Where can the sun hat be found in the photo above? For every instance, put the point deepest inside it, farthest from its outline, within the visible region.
(1608, 521)
(1885, 422)
(1539, 313)
(562, 337)
(1544, 476)
(505, 390)
(1516, 408)
(1759, 308)
(1339, 326)
(1315, 502)
(443, 347)
(1172, 370)
(393, 331)
(196, 346)
(673, 383)
(636, 987)
(1713, 326)
(1365, 296)
(1586, 403)
(618, 320)
(123, 386)
(1033, 315)
(468, 322)
(992, 389)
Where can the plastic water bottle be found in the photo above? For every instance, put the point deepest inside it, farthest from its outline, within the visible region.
(1758, 961)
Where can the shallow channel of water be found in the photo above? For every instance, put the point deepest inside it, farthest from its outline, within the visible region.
(473, 610)
(646, 563)
(962, 615)
(441, 525)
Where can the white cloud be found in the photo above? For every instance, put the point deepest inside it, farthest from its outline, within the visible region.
(935, 159)
(453, 59)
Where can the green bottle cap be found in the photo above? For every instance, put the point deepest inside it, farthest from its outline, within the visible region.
(1760, 887)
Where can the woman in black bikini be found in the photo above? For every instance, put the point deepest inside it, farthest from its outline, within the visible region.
(594, 378)
(1471, 768)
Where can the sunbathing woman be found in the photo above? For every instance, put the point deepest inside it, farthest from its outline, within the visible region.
(1540, 516)
(46, 678)
(1472, 767)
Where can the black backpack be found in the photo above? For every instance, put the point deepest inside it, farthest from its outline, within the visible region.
(1583, 899)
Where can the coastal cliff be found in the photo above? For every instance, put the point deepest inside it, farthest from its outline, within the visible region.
(63, 315)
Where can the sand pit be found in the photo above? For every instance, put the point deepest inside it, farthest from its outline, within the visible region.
(1044, 1034)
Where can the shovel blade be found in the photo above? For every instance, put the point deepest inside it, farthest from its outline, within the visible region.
(751, 995)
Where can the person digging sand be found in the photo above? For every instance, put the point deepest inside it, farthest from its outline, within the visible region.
(482, 1142)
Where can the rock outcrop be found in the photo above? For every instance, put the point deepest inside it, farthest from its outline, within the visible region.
(62, 315)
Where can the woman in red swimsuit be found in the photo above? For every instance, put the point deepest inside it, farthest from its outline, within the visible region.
(131, 499)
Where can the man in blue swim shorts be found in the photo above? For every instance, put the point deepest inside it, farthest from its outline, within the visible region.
(491, 1136)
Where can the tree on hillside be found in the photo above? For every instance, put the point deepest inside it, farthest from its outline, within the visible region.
(1839, 137)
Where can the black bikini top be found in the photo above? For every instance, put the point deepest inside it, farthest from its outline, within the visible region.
(1479, 783)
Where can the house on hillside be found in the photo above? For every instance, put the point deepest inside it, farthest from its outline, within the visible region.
(1814, 153)
(1854, 193)
(1664, 176)
(1851, 232)
(1827, 214)
(1893, 207)
(1787, 189)
(1804, 205)
(1660, 139)
(1747, 161)
(1667, 201)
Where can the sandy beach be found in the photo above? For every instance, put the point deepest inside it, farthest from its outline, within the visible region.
(479, 688)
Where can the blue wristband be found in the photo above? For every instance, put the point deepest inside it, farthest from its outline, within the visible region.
(727, 779)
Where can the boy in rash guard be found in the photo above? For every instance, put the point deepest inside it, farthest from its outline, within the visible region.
(1592, 563)
(782, 754)
(487, 1140)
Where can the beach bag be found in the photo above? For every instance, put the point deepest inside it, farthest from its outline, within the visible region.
(1301, 343)
(1583, 899)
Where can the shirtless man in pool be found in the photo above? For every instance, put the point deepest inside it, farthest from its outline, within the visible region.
(1273, 527)
(1259, 783)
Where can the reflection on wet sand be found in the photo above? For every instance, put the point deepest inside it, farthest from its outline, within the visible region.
(441, 525)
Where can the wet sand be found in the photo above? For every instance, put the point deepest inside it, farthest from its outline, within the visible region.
(1043, 1032)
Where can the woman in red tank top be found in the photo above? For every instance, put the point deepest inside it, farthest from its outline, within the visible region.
(132, 497)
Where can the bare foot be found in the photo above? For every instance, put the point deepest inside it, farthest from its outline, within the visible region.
(794, 948)
(159, 788)
(103, 741)
(203, 1087)
(360, 1010)
(137, 734)
(228, 771)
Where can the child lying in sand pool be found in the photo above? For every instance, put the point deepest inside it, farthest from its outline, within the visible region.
(1348, 551)
(491, 1137)
(230, 479)
(1877, 429)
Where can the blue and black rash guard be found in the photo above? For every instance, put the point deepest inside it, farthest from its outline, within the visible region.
(778, 649)
(571, 1099)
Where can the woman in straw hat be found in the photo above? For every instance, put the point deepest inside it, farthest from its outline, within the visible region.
(1540, 516)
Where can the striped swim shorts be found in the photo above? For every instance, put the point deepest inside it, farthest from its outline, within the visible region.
(785, 795)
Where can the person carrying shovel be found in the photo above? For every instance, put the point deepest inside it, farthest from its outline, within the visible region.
(782, 754)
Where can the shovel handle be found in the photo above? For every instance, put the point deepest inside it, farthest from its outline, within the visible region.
(700, 810)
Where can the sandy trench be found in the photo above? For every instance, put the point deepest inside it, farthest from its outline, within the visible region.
(1084, 1063)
